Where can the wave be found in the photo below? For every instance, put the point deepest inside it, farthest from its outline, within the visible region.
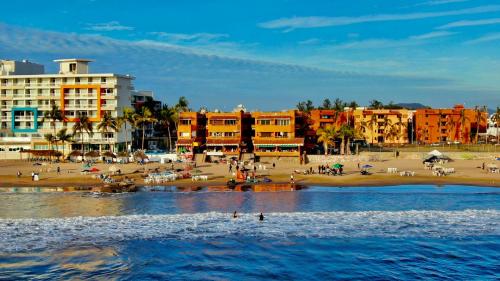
(18, 235)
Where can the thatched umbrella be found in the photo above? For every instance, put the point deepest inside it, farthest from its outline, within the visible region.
(75, 153)
(109, 154)
(93, 154)
(140, 155)
(123, 154)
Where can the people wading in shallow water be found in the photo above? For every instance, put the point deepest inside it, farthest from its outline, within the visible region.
(261, 217)
(235, 215)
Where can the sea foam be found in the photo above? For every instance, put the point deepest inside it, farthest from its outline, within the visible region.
(17, 235)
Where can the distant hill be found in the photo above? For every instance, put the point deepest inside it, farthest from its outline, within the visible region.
(412, 106)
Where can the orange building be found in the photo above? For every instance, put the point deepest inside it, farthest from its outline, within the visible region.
(380, 126)
(190, 133)
(228, 133)
(275, 134)
(321, 118)
(458, 124)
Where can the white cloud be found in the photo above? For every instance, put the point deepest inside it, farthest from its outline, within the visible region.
(314, 21)
(441, 2)
(108, 26)
(194, 37)
(465, 23)
(392, 43)
(484, 39)
(311, 41)
(434, 34)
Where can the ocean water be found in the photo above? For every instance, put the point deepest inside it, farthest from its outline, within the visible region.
(309, 233)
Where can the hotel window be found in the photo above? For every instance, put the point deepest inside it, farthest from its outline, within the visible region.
(185, 121)
(103, 79)
(281, 134)
(64, 80)
(77, 80)
(90, 80)
(230, 122)
(230, 134)
(52, 81)
(283, 122)
(266, 134)
(186, 135)
(72, 67)
(265, 122)
(66, 90)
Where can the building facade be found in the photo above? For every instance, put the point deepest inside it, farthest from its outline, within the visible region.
(228, 133)
(383, 126)
(191, 133)
(275, 134)
(26, 93)
(457, 124)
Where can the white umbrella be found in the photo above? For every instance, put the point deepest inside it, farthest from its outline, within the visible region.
(436, 153)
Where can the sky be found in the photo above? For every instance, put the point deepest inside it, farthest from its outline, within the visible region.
(269, 55)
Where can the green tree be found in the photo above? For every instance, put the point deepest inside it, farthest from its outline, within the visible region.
(166, 119)
(54, 115)
(375, 104)
(326, 136)
(83, 125)
(338, 105)
(480, 118)
(127, 118)
(462, 119)
(327, 104)
(50, 138)
(108, 124)
(64, 137)
(142, 118)
(305, 106)
(496, 119)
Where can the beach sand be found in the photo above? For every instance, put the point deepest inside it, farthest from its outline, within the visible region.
(468, 172)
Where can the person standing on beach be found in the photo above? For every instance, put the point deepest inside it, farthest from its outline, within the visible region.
(32, 175)
(230, 168)
(274, 165)
(359, 165)
(292, 181)
(58, 170)
(483, 165)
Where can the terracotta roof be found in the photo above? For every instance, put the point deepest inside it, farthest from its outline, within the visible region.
(299, 141)
(223, 141)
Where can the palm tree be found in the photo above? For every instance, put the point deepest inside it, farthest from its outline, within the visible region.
(496, 118)
(480, 117)
(326, 136)
(127, 118)
(371, 124)
(181, 106)
(107, 124)
(142, 118)
(387, 124)
(343, 133)
(462, 119)
(167, 119)
(54, 115)
(50, 138)
(83, 124)
(451, 126)
(64, 137)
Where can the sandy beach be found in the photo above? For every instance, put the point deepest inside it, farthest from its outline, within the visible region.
(468, 172)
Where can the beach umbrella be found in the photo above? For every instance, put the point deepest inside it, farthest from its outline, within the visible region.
(94, 169)
(140, 155)
(92, 154)
(367, 166)
(108, 154)
(435, 153)
(75, 153)
(337, 166)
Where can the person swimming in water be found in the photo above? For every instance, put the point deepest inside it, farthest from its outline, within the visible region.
(261, 217)
(235, 215)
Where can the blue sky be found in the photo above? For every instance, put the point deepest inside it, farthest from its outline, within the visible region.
(269, 55)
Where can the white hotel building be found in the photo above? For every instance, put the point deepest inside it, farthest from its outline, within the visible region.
(26, 92)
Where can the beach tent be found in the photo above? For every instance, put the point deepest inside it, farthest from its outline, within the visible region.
(367, 166)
